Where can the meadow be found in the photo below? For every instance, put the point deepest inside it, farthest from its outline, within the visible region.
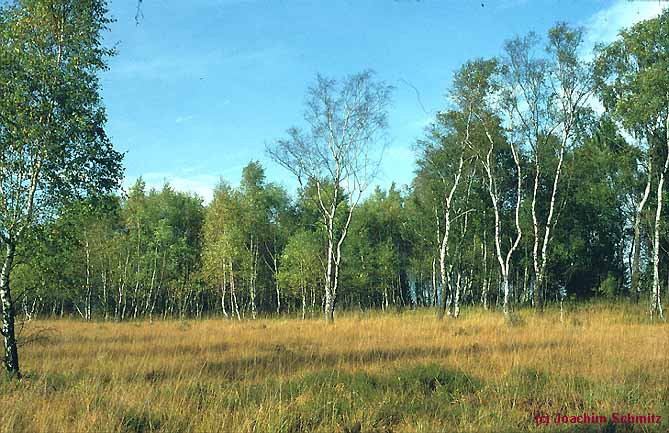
(369, 372)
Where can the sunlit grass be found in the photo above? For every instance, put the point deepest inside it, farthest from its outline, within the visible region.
(369, 372)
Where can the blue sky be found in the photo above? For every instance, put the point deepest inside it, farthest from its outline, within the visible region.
(199, 87)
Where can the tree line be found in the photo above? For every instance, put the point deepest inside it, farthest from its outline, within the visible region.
(541, 180)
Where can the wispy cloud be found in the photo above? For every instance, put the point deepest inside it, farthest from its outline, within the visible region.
(604, 26)
(201, 185)
(182, 119)
(192, 179)
(201, 64)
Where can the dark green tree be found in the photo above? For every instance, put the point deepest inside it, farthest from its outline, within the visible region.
(632, 79)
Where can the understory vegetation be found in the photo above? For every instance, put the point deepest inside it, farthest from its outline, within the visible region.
(369, 372)
(520, 274)
(523, 194)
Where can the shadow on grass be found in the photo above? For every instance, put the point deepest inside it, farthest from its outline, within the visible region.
(363, 402)
(289, 361)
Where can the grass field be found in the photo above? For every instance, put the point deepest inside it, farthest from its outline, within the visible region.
(367, 373)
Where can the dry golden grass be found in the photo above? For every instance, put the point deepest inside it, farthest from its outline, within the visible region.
(367, 373)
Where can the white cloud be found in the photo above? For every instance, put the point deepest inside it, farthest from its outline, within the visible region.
(182, 119)
(604, 26)
(193, 179)
(200, 184)
(198, 65)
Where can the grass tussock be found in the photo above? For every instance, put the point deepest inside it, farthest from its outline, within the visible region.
(379, 373)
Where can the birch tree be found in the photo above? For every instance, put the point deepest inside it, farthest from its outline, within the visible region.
(634, 86)
(481, 83)
(219, 247)
(51, 122)
(345, 121)
(445, 157)
(547, 93)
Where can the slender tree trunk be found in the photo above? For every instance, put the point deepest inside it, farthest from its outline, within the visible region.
(334, 246)
(656, 304)
(445, 285)
(276, 282)
(123, 301)
(313, 301)
(88, 279)
(104, 293)
(504, 264)
(304, 302)
(536, 294)
(434, 282)
(460, 288)
(435, 293)
(335, 283)
(254, 273)
(636, 243)
(337, 256)
(470, 285)
(8, 332)
(225, 313)
(233, 292)
(26, 311)
(329, 301)
(443, 251)
(456, 300)
(525, 280)
(136, 301)
(549, 221)
(135, 295)
(486, 279)
(158, 287)
(149, 299)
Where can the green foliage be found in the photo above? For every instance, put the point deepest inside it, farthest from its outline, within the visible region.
(51, 115)
(245, 231)
(52, 139)
(631, 75)
(162, 252)
(119, 258)
(301, 268)
(609, 287)
(378, 251)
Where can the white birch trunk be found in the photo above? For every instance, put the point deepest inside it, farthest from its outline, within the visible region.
(443, 250)
(656, 304)
(536, 295)
(636, 243)
(11, 360)
(233, 293)
(486, 280)
(504, 262)
(88, 279)
(223, 290)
